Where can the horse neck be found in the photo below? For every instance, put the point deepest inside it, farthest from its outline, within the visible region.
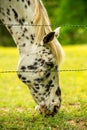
(17, 16)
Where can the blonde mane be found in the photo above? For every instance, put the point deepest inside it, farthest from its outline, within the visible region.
(41, 20)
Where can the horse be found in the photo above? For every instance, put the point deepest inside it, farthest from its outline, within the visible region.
(39, 50)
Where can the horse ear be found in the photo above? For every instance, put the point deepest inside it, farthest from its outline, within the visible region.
(57, 31)
(49, 37)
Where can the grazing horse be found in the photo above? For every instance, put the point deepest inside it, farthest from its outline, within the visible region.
(39, 50)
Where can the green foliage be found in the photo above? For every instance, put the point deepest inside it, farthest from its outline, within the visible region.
(17, 105)
(72, 12)
(5, 37)
(73, 35)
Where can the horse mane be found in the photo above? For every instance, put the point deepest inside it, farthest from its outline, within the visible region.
(42, 27)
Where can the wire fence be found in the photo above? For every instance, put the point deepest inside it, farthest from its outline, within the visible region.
(59, 25)
(61, 70)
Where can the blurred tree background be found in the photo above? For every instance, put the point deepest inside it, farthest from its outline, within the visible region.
(70, 15)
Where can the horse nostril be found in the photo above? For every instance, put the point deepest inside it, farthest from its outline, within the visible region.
(55, 109)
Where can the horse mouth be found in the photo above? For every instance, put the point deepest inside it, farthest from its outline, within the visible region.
(46, 112)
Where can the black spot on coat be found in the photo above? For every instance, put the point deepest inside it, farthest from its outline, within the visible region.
(58, 91)
(15, 13)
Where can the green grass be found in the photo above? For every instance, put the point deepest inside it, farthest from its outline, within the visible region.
(17, 106)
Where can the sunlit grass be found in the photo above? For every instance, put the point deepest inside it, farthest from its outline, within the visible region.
(17, 105)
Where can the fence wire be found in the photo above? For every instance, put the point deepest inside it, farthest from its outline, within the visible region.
(61, 70)
(59, 25)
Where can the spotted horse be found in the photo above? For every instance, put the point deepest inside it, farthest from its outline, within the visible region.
(39, 50)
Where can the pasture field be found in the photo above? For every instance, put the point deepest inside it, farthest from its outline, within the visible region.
(17, 105)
